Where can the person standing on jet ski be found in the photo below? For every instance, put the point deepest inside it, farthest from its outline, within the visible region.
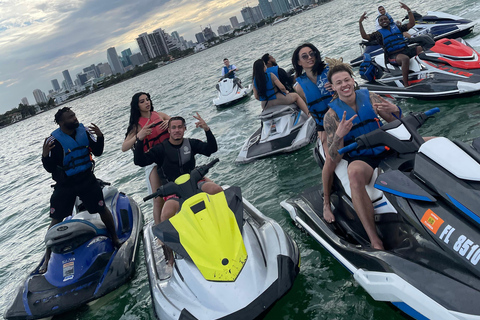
(312, 86)
(175, 157)
(67, 156)
(270, 91)
(280, 73)
(351, 114)
(394, 43)
(150, 126)
(228, 71)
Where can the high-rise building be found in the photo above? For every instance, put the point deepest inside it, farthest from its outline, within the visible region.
(280, 7)
(223, 29)
(266, 8)
(55, 85)
(68, 79)
(200, 37)
(248, 15)
(295, 3)
(82, 78)
(137, 59)
(104, 68)
(176, 35)
(25, 101)
(257, 14)
(153, 45)
(126, 56)
(114, 61)
(234, 22)
(93, 69)
(208, 33)
(39, 96)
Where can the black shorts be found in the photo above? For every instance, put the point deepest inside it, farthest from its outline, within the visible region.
(63, 197)
(370, 160)
(410, 52)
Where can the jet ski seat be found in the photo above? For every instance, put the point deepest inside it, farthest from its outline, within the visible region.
(342, 174)
(277, 111)
(70, 234)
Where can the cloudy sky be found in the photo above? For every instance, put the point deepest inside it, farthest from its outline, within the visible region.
(41, 38)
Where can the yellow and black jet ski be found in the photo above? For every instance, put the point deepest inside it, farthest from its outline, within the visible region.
(231, 261)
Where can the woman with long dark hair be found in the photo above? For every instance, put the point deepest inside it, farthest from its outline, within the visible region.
(313, 86)
(270, 91)
(151, 127)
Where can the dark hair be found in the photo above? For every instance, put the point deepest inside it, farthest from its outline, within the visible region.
(225, 59)
(259, 78)
(380, 7)
(59, 114)
(317, 67)
(176, 118)
(135, 111)
(266, 57)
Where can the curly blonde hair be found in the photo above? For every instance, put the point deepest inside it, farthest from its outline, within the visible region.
(336, 66)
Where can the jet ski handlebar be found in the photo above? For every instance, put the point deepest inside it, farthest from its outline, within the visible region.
(380, 137)
(183, 188)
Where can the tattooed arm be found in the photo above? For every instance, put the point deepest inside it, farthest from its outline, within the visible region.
(334, 142)
(387, 110)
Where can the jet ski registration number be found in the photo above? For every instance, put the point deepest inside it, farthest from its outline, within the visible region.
(462, 243)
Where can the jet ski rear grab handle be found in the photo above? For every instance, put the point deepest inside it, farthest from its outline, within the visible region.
(356, 145)
(173, 188)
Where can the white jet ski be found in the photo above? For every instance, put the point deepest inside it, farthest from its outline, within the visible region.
(284, 128)
(229, 93)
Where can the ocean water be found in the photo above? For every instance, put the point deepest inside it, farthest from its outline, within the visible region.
(323, 289)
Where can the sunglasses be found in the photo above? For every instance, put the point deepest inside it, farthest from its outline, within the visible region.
(305, 56)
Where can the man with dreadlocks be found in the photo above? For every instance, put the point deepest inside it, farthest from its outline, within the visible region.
(66, 155)
(353, 112)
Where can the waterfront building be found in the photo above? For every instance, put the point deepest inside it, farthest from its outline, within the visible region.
(55, 85)
(68, 79)
(82, 78)
(25, 101)
(257, 14)
(208, 33)
(247, 14)
(153, 45)
(295, 3)
(234, 22)
(176, 35)
(39, 96)
(137, 59)
(93, 69)
(224, 29)
(114, 61)
(266, 8)
(200, 37)
(126, 56)
(280, 7)
(104, 69)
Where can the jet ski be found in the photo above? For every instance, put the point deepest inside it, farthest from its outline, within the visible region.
(284, 128)
(229, 93)
(437, 24)
(450, 69)
(426, 198)
(84, 265)
(231, 261)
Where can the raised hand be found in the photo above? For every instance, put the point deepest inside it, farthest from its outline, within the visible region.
(145, 131)
(47, 146)
(363, 17)
(94, 129)
(201, 123)
(345, 125)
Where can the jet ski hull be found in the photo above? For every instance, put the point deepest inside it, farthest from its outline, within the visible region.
(230, 94)
(284, 130)
(87, 273)
(182, 292)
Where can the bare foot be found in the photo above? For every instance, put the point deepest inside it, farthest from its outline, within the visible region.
(327, 213)
(378, 245)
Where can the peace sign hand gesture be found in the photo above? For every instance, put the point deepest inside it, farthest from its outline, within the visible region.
(344, 126)
(201, 123)
(145, 131)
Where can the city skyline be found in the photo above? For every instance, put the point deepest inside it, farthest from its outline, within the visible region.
(42, 39)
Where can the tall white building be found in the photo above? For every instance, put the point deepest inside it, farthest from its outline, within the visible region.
(234, 22)
(39, 96)
(25, 101)
(114, 61)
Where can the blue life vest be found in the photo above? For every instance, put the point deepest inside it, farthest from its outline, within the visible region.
(273, 70)
(393, 39)
(317, 95)
(231, 75)
(270, 89)
(365, 122)
(76, 155)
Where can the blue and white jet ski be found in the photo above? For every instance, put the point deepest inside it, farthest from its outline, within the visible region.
(426, 198)
(231, 261)
(84, 265)
(437, 24)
